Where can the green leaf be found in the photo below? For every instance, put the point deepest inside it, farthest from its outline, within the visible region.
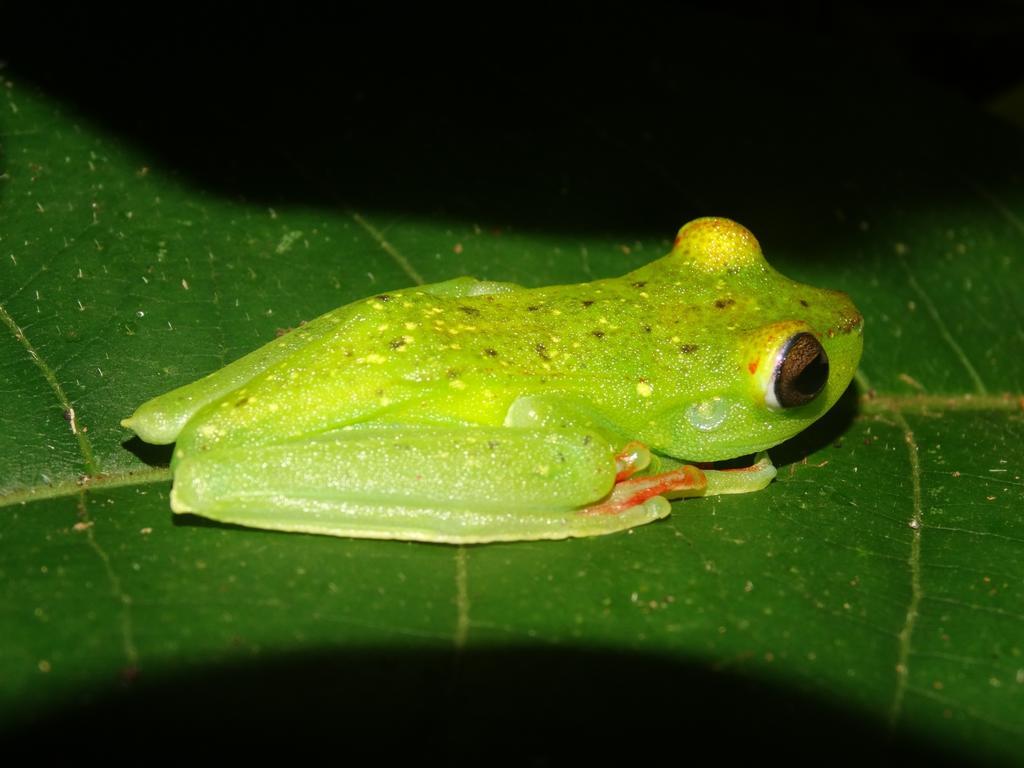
(876, 587)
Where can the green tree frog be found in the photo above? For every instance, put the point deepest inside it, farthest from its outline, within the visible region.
(474, 411)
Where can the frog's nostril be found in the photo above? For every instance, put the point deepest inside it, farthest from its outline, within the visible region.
(802, 372)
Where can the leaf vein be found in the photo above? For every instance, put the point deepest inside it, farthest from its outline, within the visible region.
(84, 446)
(1000, 206)
(72, 487)
(405, 265)
(977, 607)
(952, 703)
(874, 405)
(906, 633)
(123, 600)
(936, 316)
(970, 532)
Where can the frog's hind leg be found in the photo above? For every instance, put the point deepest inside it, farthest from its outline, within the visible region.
(425, 483)
(160, 420)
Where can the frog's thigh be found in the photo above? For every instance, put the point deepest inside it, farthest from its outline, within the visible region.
(422, 483)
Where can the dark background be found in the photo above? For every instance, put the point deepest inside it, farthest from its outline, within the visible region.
(501, 112)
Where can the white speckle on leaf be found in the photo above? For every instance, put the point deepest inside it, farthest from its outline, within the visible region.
(287, 241)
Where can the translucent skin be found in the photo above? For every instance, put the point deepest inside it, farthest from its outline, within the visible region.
(678, 355)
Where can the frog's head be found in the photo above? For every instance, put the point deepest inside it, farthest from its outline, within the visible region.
(763, 357)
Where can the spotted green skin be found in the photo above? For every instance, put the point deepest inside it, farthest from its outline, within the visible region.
(473, 411)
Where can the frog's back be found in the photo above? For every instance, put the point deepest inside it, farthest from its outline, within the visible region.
(634, 347)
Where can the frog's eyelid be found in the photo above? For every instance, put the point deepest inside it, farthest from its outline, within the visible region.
(799, 374)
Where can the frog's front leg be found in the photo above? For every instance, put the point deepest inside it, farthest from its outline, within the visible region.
(652, 489)
(686, 480)
(428, 483)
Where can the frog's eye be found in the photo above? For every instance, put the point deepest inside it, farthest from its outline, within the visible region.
(801, 372)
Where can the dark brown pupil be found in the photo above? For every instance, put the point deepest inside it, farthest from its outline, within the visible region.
(803, 372)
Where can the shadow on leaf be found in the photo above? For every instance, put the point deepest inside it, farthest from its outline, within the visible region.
(150, 455)
(828, 430)
(523, 704)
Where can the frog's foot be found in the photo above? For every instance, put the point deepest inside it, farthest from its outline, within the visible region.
(741, 480)
(651, 491)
